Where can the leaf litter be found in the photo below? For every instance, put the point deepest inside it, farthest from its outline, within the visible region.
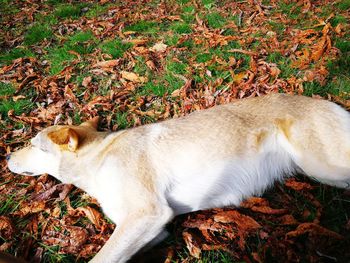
(257, 49)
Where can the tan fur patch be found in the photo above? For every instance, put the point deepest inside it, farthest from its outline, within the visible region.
(260, 137)
(284, 125)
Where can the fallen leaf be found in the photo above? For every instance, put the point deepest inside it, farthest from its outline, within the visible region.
(86, 81)
(315, 229)
(106, 64)
(297, 186)
(159, 47)
(91, 213)
(131, 76)
(191, 244)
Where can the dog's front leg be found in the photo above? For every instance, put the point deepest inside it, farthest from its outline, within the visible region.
(136, 230)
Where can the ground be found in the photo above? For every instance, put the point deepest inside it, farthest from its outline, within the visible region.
(138, 62)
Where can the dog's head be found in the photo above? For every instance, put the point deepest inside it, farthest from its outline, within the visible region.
(47, 148)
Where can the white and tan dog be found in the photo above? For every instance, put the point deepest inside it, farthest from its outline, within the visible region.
(144, 176)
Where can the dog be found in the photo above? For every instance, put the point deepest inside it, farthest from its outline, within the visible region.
(145, 176)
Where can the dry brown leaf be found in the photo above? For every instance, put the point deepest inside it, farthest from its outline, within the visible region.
(159, 47)
(92, 214)
(86, 81)
(88, 250)
(315, 229)
(288, 220)
(191, 244)
(7, 228)
(31, 208)
(131, 76)
(108, 64)
(254, 201)
(5, 246)
(242, 221)
(136, 41)
(297, 186)
(269, 210)
(150, 64)
(62, 189)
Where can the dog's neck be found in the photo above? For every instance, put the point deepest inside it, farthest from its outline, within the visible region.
(78, 168)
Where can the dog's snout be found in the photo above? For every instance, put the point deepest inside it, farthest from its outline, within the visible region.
(8, 157)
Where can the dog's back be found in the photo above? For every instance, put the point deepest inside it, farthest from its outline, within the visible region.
(218, 156)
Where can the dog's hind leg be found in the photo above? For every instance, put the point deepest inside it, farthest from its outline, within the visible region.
(137, 230)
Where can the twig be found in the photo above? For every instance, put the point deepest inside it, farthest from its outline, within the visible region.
(240, 16)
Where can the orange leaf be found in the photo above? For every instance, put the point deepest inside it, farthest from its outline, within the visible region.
(297, 186)
(191, 244)
(131, 76)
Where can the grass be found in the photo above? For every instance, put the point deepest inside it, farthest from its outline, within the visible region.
(121, 120)
(146, 27)
(19, 52)
(37, 33)
(115, 47)
(9, 205)
(59, 57)
(210, 257)
(157, 89)
(343, 4)
(18, 107)
(181, 28)
(8, 104)
(68, 10)
(215, 20)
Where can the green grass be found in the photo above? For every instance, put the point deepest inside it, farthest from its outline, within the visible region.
(209, 257)
(343, 45)
(172, 40)
(96, 10)
(68, 10)
(157, 89)
(172, 82)
(338, 80)
(115, 47)
(338, 19)
(343, 5)
(18, 107)
(8, 7)
(176, 67)
(181, 28)
(203, 57)
(19, 52)
(277, 27)
(81, 42)
(47, 19)
(146, 27)
(60, 56)
(215, 20)
(6, 89)
(9, 204)
(7, 104)
(37, 33)
(121, 120)
(208, 3)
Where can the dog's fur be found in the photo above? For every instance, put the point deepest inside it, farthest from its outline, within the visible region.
(144, 176)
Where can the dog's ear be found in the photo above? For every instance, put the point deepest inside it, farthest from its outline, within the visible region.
(93, 123)
(66, 137)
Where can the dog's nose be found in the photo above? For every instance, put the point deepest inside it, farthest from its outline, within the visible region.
(8, 157)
